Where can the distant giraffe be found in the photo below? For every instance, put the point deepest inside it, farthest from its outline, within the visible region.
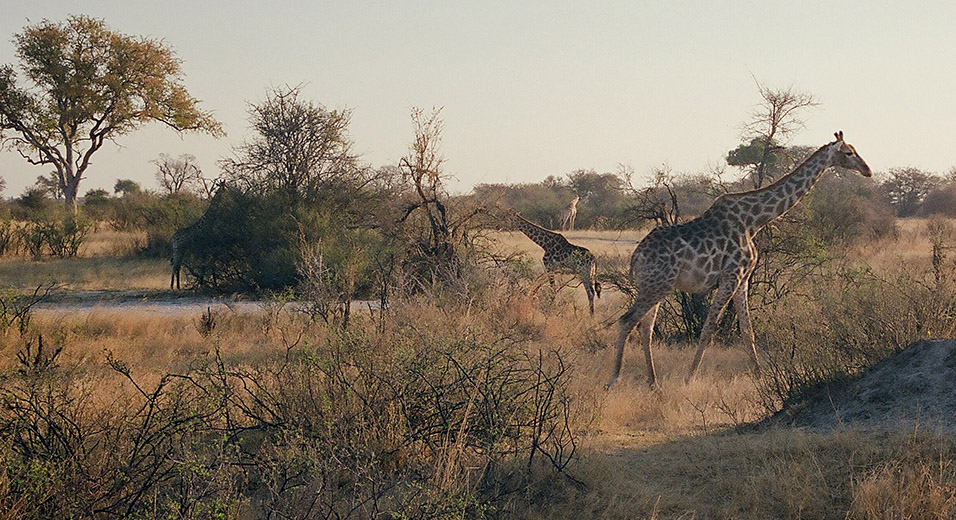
(561, 255)
(567, 218)
(716, 249)
(183, 238)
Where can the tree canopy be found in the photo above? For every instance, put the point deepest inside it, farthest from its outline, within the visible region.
(86, 84)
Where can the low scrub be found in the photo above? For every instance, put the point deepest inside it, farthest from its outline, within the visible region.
(414, 417)
(848, 318)
(53, 234)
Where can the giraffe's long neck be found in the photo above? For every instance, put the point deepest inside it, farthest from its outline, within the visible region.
(759, 207)
(536, 233)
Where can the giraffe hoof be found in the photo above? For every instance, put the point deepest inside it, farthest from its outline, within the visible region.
(611, 383)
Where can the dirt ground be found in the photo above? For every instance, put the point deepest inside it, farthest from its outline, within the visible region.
(913, 390)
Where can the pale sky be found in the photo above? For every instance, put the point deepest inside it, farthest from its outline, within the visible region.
(532, 89)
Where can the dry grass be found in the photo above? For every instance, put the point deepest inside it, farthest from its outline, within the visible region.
(645, 454)
(105, 262)
(86, 273)
(107, 242)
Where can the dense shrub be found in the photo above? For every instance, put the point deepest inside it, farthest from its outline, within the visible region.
(843, 210)
(58, 234)
(32, 204)
(941, 201)
(162, 216)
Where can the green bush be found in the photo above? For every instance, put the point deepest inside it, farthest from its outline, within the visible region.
(162, 216)
(59, 235)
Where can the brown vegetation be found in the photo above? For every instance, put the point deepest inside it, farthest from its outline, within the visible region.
(481, 399)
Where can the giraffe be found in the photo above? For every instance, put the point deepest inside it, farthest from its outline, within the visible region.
(716, 250)
(561, 255)
(183, 238)
(567, 218)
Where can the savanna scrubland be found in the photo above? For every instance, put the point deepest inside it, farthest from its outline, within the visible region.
(462, 385)
(477, 396)
(405, 356)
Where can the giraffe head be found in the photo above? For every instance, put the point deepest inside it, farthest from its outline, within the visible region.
(843, 154)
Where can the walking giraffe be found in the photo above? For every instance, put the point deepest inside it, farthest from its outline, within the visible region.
(716, 249)
(562, 256)
(567, 218)
(183, 238)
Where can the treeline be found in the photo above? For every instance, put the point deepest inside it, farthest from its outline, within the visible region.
(294, 207)
(611, 201)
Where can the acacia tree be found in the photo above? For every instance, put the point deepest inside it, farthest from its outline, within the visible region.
(907, 187)
(86, 84)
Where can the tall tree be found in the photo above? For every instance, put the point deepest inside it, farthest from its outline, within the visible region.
(127, 187)
(907, 187)
(87, 84)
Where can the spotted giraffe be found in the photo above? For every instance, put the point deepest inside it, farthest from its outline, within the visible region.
(183, 238)
(561, 255)
(716, 250)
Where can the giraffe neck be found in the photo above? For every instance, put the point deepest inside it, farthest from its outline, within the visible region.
(187, 232)
(759, 207)
(536, 233)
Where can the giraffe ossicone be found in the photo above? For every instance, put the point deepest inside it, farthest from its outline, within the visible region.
(716, 250)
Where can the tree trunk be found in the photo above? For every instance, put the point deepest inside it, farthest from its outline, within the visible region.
(69, 184)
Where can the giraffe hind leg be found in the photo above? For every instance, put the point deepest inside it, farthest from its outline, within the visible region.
(639, 312)
(725, 291)
(743, 319)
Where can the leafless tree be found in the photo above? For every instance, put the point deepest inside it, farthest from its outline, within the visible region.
(657, 201)
(773, 121)
(422, 167)
(300, 148)
(180, 174)
(439, 238)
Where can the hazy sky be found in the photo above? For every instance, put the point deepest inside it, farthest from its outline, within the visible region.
(532, 89)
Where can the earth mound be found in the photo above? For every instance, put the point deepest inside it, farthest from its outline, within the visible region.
(916, 388)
